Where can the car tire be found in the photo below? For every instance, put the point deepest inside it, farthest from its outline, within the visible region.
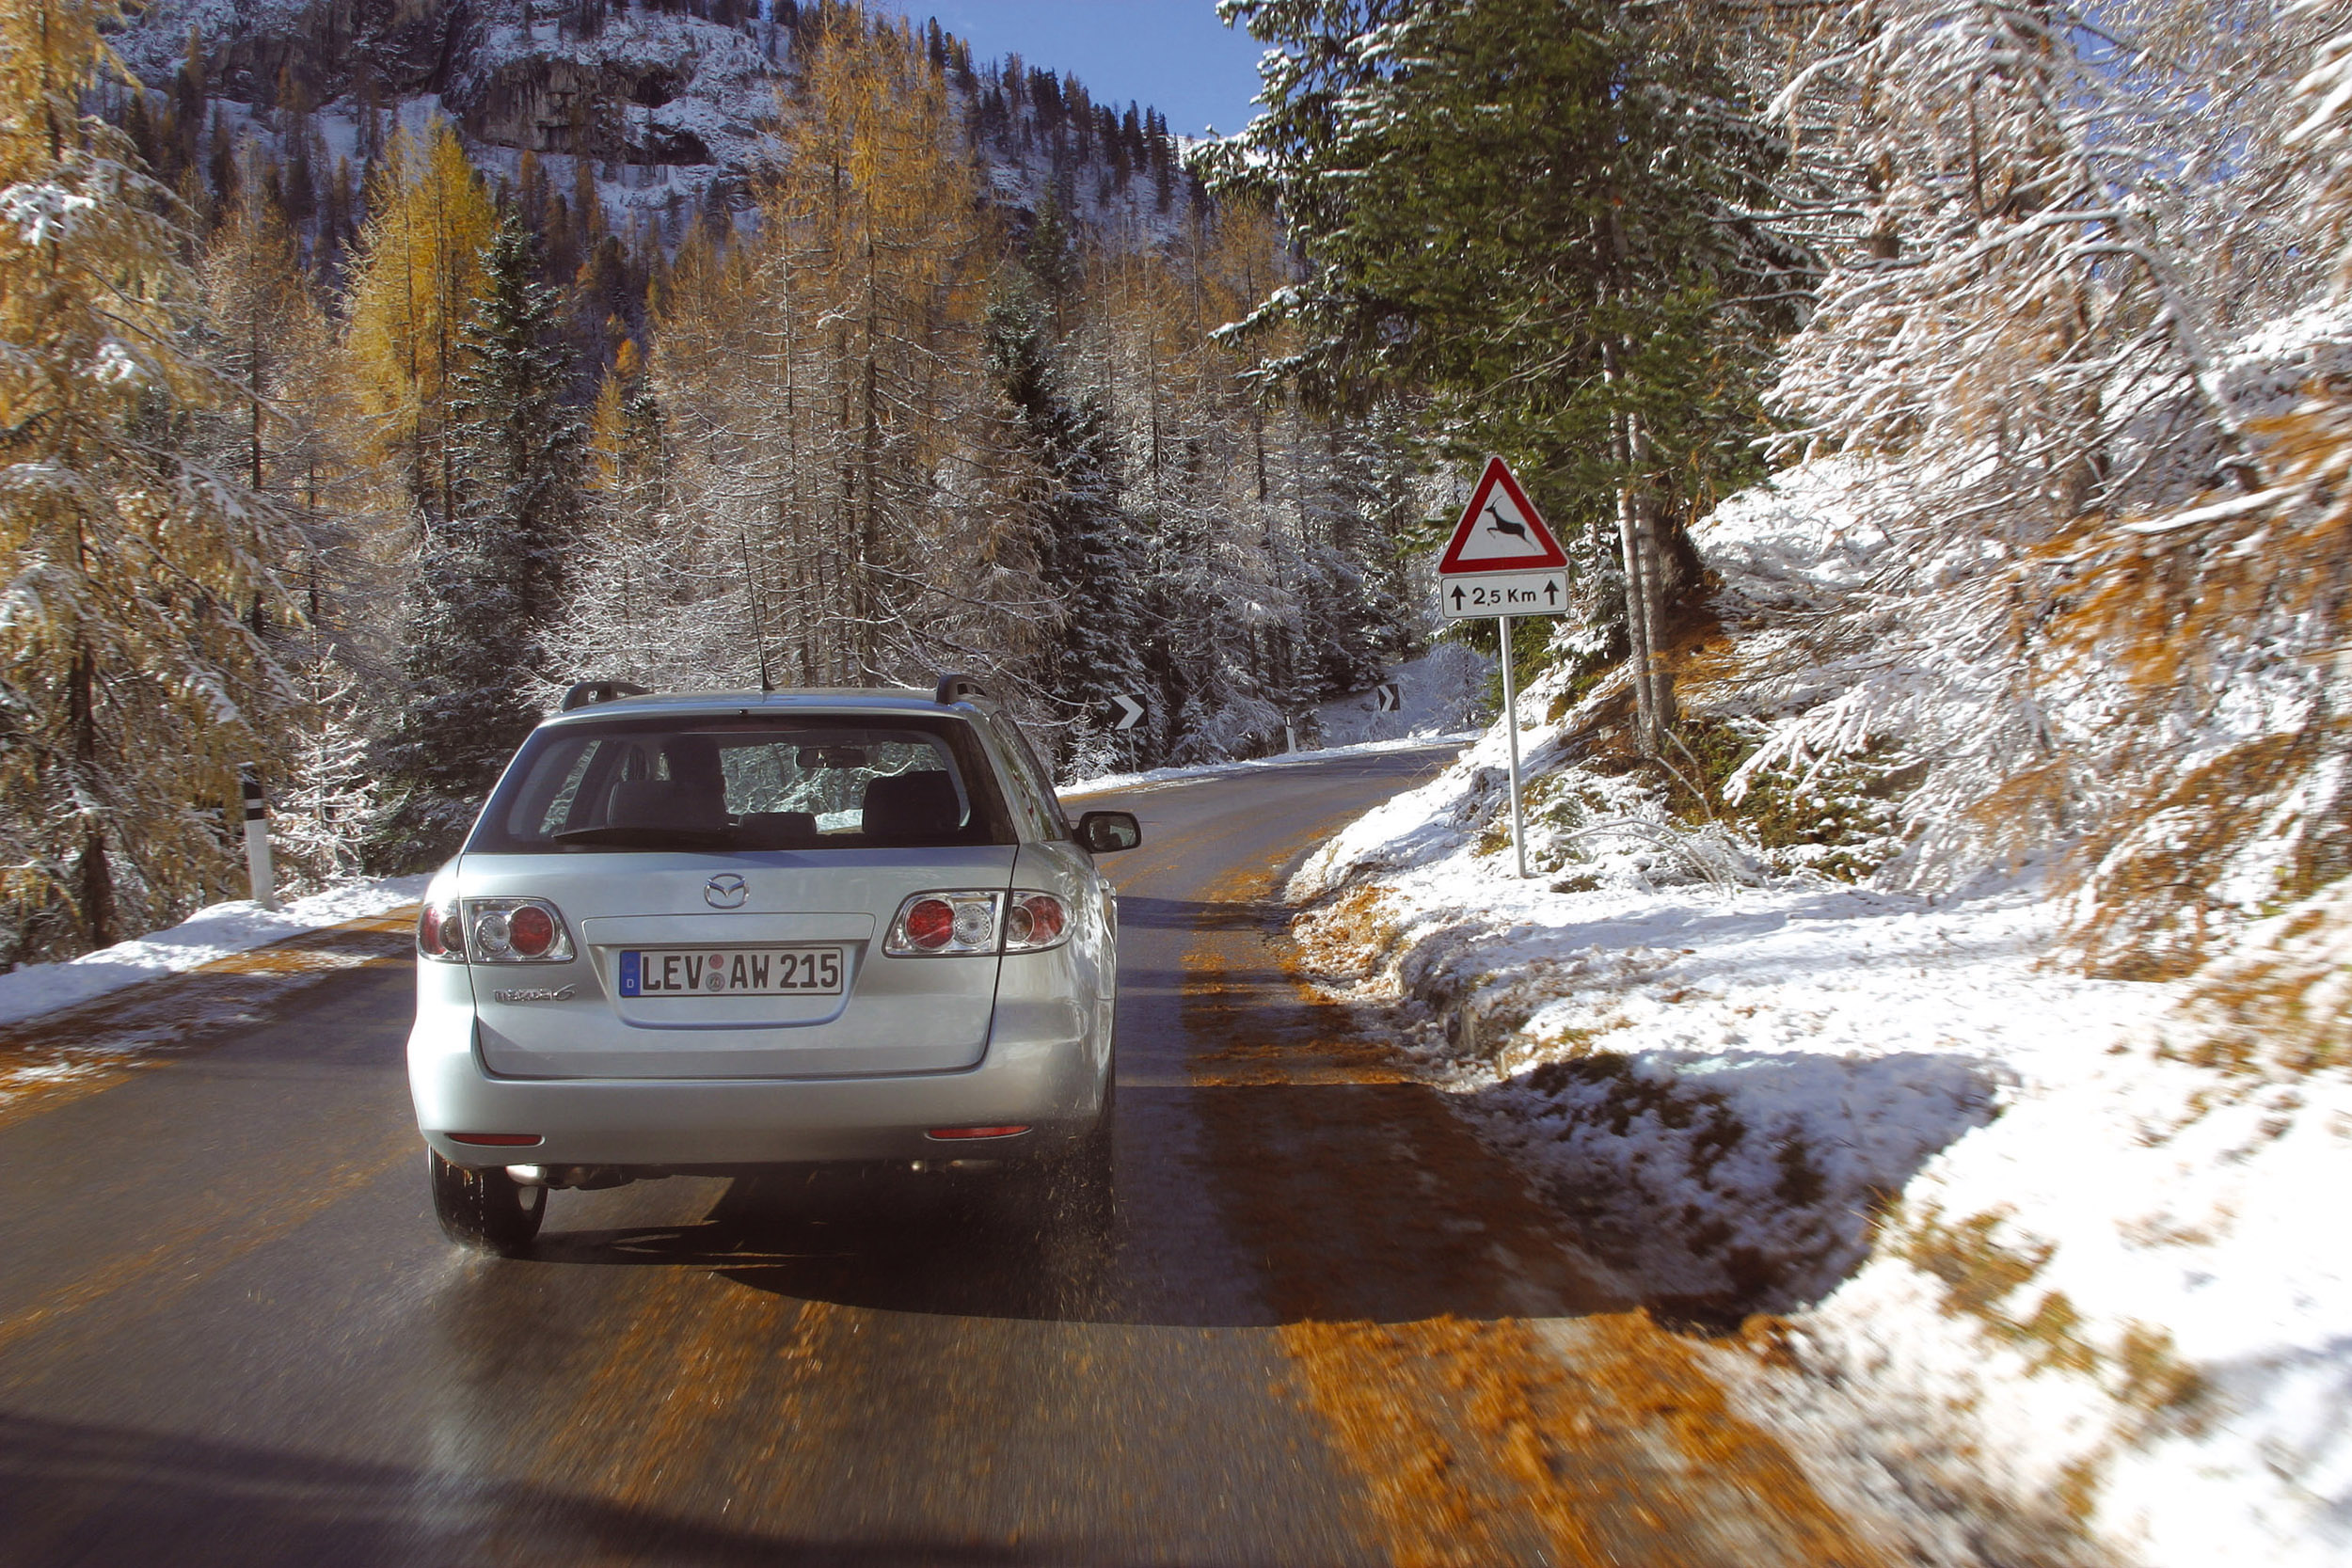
(1086, 1178)
(483, 1206)
(1093, 1158)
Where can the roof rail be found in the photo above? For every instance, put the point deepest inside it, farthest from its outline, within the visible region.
(587, 692)
(955, 689)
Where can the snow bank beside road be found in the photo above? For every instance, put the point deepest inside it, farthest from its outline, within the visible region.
(209, 934)
(2059, 1253)
(1725, 1083)
(2058, 1257)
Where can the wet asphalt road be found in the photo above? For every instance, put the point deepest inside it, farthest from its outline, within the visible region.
(231, 1333)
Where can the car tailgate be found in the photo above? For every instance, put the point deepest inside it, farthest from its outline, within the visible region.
(638, 916)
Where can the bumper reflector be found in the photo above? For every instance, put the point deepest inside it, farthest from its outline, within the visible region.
(975, 1131)
(495, 1140)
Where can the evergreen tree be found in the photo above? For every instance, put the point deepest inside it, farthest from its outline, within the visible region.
(490, 578)
(321, 815)
(517, 441)
(1088, 555)
(1536, 209)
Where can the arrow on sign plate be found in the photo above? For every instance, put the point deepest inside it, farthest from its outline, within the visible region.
(1130, 711)
(1385, 698)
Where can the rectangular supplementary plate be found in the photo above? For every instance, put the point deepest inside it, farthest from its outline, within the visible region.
(1485, 593)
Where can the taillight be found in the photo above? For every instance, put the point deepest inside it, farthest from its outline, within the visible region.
(532, 930)
(516, 931)
(1035, 921)
(933, 924)
(930, 924)
(440, 932)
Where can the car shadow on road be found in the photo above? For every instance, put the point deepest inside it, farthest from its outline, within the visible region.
(76, 1491)
(1328, 1202)
(972, 1243)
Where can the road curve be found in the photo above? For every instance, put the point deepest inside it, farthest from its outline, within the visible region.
(1325, 1327)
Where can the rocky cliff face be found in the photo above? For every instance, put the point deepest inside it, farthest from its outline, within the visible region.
(660, 89)
(660, 103)
(406, 45)
(668, 96)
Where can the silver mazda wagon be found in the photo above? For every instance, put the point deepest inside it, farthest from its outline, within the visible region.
(712, 933)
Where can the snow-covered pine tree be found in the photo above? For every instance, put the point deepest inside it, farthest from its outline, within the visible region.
(687, 495)
(1360, 508)
(324, 811)
(517, 441)
(2223, 621)
(880, 204)
(132, 680)
(490, 576)
(1234, 504)
(1086, 542)
(838, 475)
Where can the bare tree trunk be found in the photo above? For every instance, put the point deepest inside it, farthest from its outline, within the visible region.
(1660, 679)
(1636, 618)
(93, 875)
(1653, 597)
(1644, 590)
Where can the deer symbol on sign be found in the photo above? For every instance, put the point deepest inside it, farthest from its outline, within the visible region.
(1498, 522)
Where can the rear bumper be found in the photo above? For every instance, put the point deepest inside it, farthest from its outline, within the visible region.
(1050, 1085)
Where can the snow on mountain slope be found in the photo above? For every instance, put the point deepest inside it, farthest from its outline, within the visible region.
(668, 109)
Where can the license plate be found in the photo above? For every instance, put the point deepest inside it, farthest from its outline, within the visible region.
(732, 972)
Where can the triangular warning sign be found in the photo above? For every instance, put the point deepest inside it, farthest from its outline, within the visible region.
(1500, 530)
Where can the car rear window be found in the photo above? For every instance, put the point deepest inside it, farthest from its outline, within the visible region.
(757, 782)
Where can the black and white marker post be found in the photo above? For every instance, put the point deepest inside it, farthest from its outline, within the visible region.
(257, 858)
(1503, 562)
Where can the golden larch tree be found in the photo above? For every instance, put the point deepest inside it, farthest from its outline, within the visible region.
(418, 271)
(134, 672)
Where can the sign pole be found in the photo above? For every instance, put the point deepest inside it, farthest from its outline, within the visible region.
(1502, 560)
(1511, 728)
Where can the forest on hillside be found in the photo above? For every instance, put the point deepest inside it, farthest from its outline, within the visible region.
(341, 440)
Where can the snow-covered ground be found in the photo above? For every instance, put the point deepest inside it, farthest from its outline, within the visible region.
(2055, 1281)
(207, 935)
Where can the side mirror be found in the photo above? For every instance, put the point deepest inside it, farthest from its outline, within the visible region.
(1108, 831)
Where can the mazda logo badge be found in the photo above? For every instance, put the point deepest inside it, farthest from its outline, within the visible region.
(726, 890)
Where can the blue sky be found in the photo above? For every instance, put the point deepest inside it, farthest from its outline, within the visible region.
(1173, 55)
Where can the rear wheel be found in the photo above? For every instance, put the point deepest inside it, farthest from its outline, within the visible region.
(1090, 1159)
(484, 1207)
(1086, 1175)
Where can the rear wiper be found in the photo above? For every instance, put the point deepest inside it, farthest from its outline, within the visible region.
(647, 837)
